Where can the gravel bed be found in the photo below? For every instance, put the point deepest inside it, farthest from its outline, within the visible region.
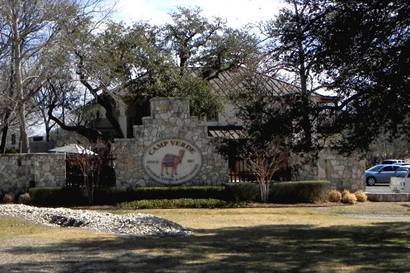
(130, 224)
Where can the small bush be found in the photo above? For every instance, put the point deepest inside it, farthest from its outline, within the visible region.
(24, 198)
(241, 192)
(361, 196)
(335, 196)
(9, 198)
(349, 198)
(299, 191)
(174, 203)
(345, 192)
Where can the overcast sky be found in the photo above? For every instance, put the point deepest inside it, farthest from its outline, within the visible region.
(237, 12)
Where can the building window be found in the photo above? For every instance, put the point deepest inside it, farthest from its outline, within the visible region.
(37, 138)
(13, 139)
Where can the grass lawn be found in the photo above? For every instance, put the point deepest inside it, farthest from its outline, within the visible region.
(370, 237)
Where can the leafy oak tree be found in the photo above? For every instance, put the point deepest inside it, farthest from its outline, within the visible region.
(356, 50)
(122, 65)
(128, 64)
(207, 45)
(365, 54)
(293, 48)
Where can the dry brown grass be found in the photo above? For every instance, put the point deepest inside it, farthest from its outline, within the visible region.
(294, 239)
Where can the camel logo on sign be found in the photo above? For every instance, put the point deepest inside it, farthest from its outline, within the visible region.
(172, 161)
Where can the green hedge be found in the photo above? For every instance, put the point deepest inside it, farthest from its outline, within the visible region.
(62, 196)
(299, 191)
(114, 195)
(57, 197)
(174, 203)
(280, 192)
(242, 192)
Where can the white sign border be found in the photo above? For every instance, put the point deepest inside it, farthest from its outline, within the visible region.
(168, 183)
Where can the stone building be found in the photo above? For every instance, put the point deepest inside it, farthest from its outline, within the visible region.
(228, 126)
(165, 145)
(225, 124)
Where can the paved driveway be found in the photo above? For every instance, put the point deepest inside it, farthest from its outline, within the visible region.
(378, 189)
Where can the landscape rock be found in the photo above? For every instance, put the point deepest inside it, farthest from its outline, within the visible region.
(137, 224)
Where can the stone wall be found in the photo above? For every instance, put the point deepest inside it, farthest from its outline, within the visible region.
(18, 171)
(344, 172)
(169, 122)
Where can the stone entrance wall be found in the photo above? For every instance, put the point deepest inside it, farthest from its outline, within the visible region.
(18, 171)
(169, 138)
(343, 172)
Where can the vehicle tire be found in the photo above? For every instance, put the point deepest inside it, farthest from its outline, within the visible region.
(371, 181)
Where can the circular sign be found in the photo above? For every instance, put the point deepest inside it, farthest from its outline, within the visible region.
(172, 161)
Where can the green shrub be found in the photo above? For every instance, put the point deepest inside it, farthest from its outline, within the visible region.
(174, 203)
(361, 196)
(335, 196)
(299, 191)
(349, 198)
(242, 192)
(57, 196)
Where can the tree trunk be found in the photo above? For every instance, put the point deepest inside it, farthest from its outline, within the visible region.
(4, 132)
(264, 189)
(21, 109)
(48, 129)
(305, 96)
(22, 128)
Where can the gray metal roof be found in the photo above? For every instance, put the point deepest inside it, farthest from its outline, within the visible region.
(234, 80)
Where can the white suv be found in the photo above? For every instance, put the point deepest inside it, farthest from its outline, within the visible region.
(393, 161)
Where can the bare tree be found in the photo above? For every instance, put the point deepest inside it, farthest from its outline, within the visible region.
(92, 165)
(263, 161)
(62, 100)
(28, 30)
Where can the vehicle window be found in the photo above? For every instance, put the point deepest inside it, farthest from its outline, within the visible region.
(395, 167)
(375, 168)
(388, 169)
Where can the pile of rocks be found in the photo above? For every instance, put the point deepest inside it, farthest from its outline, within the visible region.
(131, 224)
